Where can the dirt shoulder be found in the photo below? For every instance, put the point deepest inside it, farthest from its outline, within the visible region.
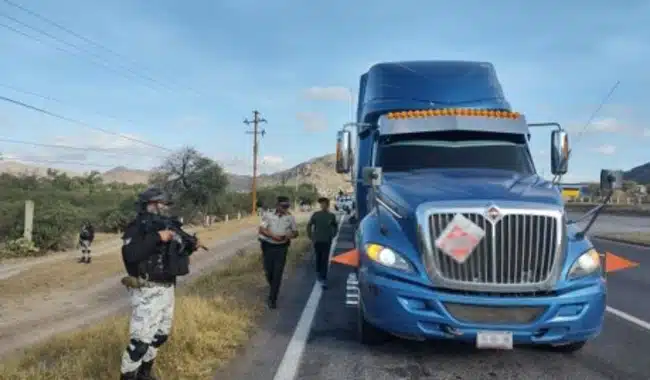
(60, 294)
(48, 299)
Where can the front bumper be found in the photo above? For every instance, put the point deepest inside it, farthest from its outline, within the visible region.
(418, 312)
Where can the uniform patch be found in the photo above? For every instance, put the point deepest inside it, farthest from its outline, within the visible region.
(459, 238)
(127, 241)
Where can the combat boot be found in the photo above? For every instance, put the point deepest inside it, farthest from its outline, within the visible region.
(129, 376)
(146, 371)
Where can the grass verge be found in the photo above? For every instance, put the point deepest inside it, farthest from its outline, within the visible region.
(215, 316)
(642, 238)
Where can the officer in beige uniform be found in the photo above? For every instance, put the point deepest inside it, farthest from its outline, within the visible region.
(275, 234)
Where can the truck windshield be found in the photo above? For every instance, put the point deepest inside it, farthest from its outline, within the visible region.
(454, 150)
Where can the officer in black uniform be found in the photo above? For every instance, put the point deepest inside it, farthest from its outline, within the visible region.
(150, 286)
(86, 237)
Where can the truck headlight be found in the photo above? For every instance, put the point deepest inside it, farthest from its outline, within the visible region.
(387, 257)
(586, 264)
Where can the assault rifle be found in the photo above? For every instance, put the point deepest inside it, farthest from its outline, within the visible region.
(181, 247)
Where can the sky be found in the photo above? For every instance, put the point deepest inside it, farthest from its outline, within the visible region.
(174, 74)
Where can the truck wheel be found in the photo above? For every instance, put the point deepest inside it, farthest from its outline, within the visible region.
(368, 334)
(569, 348)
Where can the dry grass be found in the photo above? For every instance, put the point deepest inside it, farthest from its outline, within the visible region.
(632, 237)
(67, 274)
(215, 315)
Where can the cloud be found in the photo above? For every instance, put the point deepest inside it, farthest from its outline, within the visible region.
(312, 121)
(606, 149)
(608, 125)
(240, 165)
(88, 149)
(332, 93)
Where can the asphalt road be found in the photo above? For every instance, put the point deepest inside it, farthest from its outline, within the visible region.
(330, 351)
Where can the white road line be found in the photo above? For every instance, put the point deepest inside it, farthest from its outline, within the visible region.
(630, 318)
(290, 363)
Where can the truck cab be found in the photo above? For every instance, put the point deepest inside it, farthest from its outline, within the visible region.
(458, 237)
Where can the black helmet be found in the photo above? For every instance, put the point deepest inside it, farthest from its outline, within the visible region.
(153, 194)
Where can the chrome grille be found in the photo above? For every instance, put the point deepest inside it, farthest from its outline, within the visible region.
(518, 249)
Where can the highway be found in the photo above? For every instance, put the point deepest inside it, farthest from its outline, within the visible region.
(321, 345)
(620, 352)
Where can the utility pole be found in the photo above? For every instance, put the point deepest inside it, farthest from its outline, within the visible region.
(297, 175)
(257, 120)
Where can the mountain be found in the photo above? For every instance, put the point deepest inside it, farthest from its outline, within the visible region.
(639, 174)
(318, 171)
(126, 175)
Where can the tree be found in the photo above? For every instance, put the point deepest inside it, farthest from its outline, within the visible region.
(194, 181)
(92, 180)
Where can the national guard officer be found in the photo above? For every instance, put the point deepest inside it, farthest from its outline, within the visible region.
(150, 284)
(275, 234)
(86, 237)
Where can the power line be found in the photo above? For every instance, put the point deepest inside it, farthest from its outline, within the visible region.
(52, 99)
(79, 36)
(77, 148)
(96, 62)
(78, 122)
(55, 38)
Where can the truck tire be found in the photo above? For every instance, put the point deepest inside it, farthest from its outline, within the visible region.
(368, 334)
(569, 348)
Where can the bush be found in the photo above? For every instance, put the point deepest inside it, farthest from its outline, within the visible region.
(20, 247)
(56, 224)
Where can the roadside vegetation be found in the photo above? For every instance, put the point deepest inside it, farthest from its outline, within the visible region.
(215, 316)
(197, 183)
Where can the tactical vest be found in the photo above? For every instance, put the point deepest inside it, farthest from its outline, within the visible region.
(156, 267)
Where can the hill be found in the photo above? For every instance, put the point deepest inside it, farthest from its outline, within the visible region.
(639, 174)
(318, 171)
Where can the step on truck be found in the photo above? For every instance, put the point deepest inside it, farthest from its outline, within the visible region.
(458, 237)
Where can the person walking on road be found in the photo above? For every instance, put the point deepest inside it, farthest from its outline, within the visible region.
(86, 237)
(151, 284)
(275, 234)
(321, 229)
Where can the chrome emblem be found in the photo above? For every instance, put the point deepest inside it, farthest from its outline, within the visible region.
(493, 213)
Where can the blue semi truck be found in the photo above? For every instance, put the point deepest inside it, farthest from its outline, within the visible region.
(457, 236)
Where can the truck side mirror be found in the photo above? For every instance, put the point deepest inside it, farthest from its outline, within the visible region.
(343, 151)
(611, 180)
(559, 152)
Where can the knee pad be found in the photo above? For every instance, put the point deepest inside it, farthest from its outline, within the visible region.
(159, 340)
(137, 349)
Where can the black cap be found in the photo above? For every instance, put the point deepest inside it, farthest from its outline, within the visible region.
(153, 194)
(283, 201)
(323, 200)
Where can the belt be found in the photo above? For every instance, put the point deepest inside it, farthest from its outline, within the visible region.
(137, 282)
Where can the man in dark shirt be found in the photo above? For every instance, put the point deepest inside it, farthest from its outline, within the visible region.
(321, 229)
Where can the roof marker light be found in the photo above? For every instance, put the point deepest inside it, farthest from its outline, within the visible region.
(418, 114)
